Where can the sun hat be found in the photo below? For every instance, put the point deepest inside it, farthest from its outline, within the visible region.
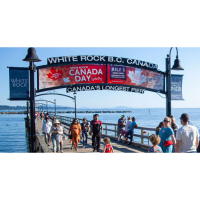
(56, 122)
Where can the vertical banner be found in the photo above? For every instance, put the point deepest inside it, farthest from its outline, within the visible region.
(176, 87)
(19, 83)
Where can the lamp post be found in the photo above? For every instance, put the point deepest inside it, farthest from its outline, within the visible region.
(75, 102)
(39, 106)
(176, 66)
(55, 106)
(31, 57)
(27, 114)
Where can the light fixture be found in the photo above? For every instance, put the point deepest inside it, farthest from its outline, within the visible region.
(31, 56)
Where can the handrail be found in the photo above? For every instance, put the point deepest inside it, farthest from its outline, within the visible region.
(66, 119)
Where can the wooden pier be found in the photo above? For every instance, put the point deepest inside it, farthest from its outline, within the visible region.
(118, 147)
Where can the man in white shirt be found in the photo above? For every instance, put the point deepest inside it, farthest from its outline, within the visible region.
(187, 137)
(46, 128)
(198, 149)
(128, 123)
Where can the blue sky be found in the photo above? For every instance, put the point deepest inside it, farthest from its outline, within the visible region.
(189, 57)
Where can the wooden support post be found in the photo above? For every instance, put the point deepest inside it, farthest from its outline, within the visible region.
(148, 139)
(142, 140)
(115, 130)
(106, 129)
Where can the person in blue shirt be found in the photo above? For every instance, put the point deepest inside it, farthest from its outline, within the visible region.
(166, 135)
(130, 132)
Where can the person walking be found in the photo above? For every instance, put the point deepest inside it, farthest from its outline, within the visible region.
(121, 126)
(96, 132)
(42, 116)
(75, 129)
(61, 138)
(46, 128)
(187, 137)
(166, 135)
(38, 115)
(90, 126)
(56, 131)
(131, 130)
(35, 115)
(85, 130)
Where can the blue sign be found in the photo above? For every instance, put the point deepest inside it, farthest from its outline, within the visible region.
(19, 83)
(176, 87)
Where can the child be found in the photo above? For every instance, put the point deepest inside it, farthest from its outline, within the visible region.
(155, 140)
(108, 147)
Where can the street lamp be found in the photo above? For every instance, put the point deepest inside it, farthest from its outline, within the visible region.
(75, 101)
(176, 66)
(31, 57)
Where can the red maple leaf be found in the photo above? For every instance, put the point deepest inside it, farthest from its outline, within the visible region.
(55, 74)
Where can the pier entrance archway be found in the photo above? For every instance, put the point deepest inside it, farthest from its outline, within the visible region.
(94, 72)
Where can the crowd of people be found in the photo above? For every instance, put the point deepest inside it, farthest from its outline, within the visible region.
(53, 131)
(168, 138)
(126, 128)
(40, 115)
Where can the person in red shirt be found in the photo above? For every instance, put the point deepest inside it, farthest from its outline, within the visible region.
(108, 147)
(96, 132)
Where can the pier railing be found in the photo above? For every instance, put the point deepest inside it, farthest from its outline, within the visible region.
(111, 127)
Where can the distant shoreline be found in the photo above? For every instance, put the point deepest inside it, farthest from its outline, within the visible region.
(90, 111)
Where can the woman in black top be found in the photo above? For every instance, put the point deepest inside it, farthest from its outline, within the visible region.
(85, 130)
(159, 128)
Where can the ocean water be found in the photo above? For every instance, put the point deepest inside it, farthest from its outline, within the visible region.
(13, 136)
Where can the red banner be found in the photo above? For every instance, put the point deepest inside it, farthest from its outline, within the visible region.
(135, 77)
(71, 74)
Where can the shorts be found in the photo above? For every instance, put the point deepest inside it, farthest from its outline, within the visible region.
(124, 133)
(119, 130)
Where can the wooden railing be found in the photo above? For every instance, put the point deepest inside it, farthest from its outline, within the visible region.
(144, 130)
